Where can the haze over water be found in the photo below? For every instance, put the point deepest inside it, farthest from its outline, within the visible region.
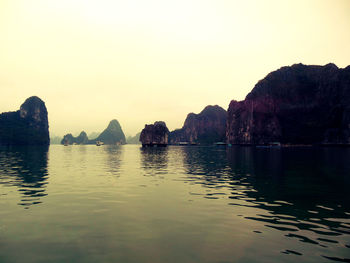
(143, 61)
(174, 204)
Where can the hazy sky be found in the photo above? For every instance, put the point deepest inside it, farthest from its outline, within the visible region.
(142, 61)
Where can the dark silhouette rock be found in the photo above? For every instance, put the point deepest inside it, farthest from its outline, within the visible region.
(294, 105)
(70, 139)
(207, 127)
(113, 134)
(154, 134)
(27, 126)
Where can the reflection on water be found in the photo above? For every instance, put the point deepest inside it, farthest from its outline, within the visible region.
(175, 204)
(114, 158)
(207, 161)
(302, 193)
(25, 168)
(154, 160)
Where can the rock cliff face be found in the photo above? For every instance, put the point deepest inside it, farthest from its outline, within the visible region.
(27, 126)
(206, 127)
(294, 105)
(154, 134)
(70, 139)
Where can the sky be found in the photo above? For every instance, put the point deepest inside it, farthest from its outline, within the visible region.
(141, 61)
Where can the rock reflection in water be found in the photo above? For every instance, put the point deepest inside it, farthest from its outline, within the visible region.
(154, 160)
(298, 192)
(114, 158)
(25, 168)
(206, 165)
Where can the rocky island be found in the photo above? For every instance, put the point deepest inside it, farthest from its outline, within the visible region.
(299, 104)
(70, 139)
(113, 134)
(27, 126)
(154, 135)
(207, 127)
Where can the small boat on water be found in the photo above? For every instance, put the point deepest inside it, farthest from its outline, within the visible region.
(99, 143)
(270, 145)
(275, 144)
(220, 144)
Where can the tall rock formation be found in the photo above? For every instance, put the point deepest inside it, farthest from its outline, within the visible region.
(299, 104)
(27, 126)
(155, 134)
(207, 127)
(113, 134)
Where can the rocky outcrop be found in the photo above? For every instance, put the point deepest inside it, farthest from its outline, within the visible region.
(27, 126)
(70, 139)
(155, 134)
(299, 104)
(207, 127)
(113, 134)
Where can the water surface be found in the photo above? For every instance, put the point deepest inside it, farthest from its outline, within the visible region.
(175, 204)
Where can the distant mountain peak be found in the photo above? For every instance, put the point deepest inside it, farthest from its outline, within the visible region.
(113, 125)
(113, 134)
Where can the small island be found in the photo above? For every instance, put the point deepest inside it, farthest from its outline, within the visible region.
(155, 135)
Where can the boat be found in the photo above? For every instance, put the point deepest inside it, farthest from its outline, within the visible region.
(99, 143)
(270, 145)
(220, 144)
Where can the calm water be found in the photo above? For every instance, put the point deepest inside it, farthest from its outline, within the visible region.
(175, 204)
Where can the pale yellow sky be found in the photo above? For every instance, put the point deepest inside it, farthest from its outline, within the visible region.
(140, 61)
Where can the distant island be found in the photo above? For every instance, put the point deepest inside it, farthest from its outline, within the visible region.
(294, 105)
(113, 134)
(207, 127)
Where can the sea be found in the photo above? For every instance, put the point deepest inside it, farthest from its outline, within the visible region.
(84, 203)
